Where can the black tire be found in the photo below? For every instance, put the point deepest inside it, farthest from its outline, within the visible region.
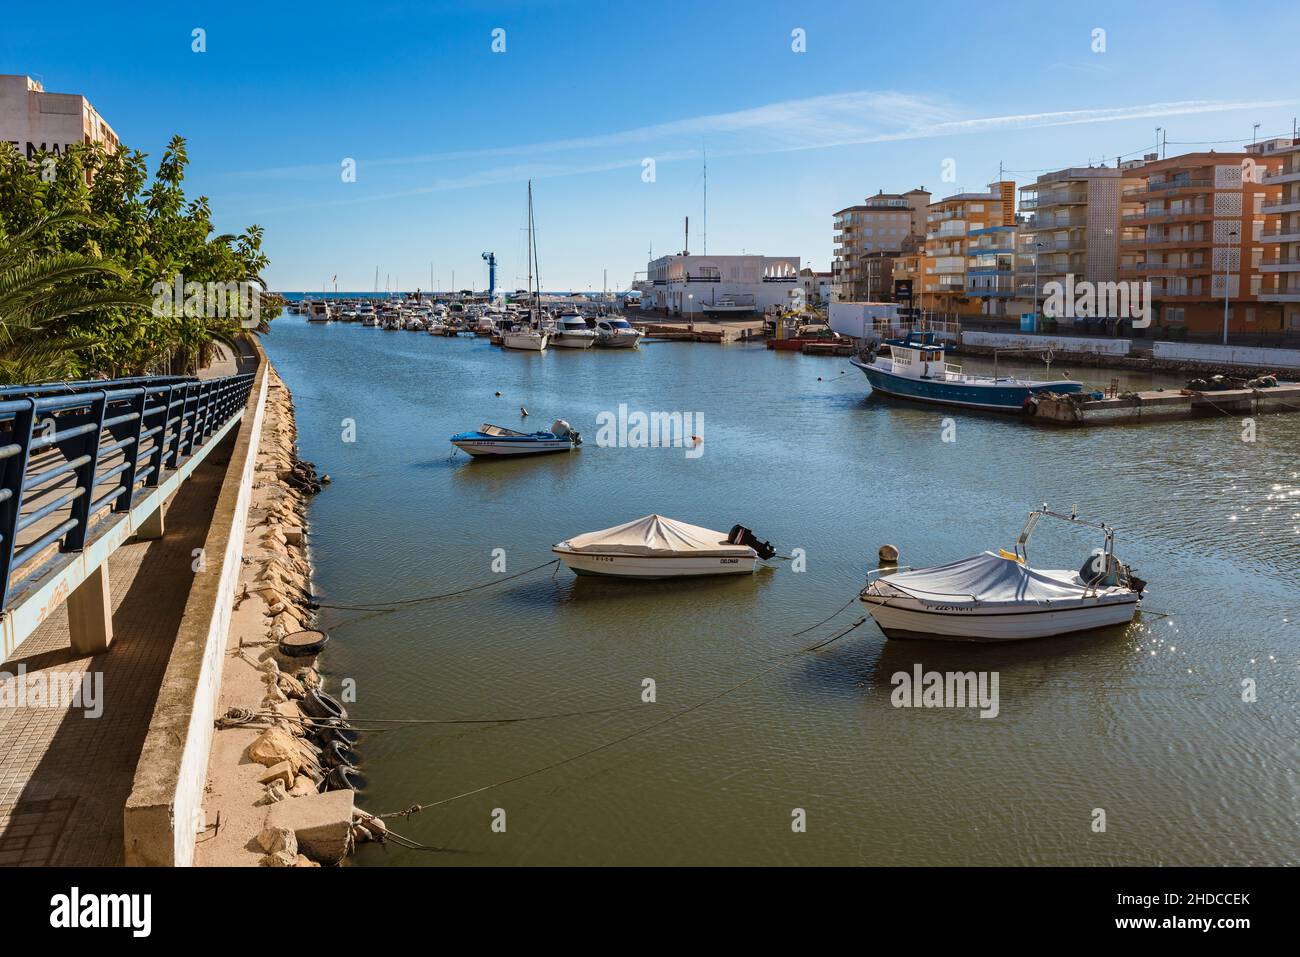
(336, 730)
(338, 753)
(318, 704)
(344, 778)
(303, 644)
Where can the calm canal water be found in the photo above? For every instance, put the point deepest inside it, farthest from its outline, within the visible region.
(1147, 723)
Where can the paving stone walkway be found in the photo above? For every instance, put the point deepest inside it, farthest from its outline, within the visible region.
(65, 777)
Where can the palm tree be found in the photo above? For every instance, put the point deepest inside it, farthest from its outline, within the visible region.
(38, 289)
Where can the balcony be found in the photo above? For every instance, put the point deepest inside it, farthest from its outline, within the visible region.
(1285, 206)
(1281, 264)
(1291, 235)
(1282, 176)
(1045, 223)
(1171, 186)
(1056, 198)
(1157, 268)
(1165, 215)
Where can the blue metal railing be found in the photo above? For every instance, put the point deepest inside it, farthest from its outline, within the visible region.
(71, 452)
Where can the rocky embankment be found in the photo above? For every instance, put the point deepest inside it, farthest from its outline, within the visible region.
(282, 765)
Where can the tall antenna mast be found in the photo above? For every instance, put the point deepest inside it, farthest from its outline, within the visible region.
(706, 202)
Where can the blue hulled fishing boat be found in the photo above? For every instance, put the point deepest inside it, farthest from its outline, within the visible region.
(915, 369)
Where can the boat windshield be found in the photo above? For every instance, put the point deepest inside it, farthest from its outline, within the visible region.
(618, 324)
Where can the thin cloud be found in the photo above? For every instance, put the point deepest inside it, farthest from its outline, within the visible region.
(823, 122)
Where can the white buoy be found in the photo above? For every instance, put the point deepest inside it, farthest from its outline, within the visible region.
(523, 411)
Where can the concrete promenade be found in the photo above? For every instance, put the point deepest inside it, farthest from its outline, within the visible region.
(64, 778)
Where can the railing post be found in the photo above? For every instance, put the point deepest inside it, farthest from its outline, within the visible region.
(176, 404)
(130, 452)
(87, 445)
(13, 467)
(192, 393)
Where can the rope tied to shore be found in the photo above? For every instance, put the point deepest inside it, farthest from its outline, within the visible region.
(781, 659)
(393, 605)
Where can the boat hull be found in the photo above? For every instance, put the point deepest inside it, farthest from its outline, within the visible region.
(524, 343)
(654, 566)
(490, 447)
(563, 340)
(903, 618)
(995, 397)
(618, 342)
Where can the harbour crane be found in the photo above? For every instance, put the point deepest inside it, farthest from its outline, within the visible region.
(492, 274)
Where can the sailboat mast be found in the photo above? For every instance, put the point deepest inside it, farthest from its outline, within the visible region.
(528, 249)
(706, 202)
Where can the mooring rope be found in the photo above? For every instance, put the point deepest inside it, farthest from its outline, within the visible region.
(783, 659)
(391, 605)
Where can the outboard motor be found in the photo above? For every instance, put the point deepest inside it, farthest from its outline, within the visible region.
(561, 430)
(740, 535)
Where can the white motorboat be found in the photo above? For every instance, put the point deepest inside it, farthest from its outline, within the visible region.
(996, 596)
(532, 340)
(660, 547)
(614, 332)
(572, 332)
(498, 440)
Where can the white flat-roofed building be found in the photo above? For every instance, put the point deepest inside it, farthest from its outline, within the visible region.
(37, 122)
(715, 286)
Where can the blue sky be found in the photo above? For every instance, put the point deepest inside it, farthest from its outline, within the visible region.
(446, 132)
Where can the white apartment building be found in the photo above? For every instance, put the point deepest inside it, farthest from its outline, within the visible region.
(695, 286)
(1280, 266)
(38, 122)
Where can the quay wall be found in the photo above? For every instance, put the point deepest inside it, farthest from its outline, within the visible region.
(1112, 348)
(165, 807)
(1218, 355)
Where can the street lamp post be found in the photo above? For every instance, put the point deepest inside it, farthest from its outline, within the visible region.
(1227, 263)
(1037, 246)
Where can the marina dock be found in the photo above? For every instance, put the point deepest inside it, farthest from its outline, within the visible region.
(1163, 405)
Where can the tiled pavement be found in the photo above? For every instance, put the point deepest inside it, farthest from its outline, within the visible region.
(64, 777)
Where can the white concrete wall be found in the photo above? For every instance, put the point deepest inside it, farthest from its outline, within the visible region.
(165, 807)
(1227, 355)
(1010, 340)
(198, 741)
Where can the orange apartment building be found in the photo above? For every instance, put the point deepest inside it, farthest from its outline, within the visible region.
(1194, 228)
(949, 244)
(868, 236)
(1281, 263)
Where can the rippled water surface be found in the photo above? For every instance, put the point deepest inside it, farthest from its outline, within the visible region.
(1147, 723)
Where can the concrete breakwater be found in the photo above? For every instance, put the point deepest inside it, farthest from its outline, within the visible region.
(273, 796)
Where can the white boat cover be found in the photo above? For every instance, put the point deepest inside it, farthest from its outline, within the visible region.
(657, 535)
(989, 578)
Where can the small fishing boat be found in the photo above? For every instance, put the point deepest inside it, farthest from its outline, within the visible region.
(660, 547)
(572, 332)
(614, 332)
(996, 596)
(727, 306)
(916, 370)
(498, 440)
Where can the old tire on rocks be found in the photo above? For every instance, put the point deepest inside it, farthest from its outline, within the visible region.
(303, 644)
(344, 778)
(318, 704)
